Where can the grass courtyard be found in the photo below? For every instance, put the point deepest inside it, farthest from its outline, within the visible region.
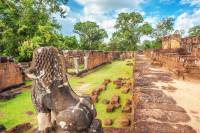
(17, 110)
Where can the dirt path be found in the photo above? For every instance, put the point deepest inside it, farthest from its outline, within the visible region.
(81, 90)
(165, 105)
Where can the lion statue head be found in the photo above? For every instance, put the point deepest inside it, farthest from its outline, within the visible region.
(46, 66)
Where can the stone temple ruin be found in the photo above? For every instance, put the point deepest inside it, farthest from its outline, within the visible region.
(82, 61)
(10, 74)
(179, 55)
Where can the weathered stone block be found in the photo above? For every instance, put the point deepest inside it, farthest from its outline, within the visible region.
(115, 99)
(117, 105)
(109, 108)
(125, 122)
(10, 75)
(94, 98)
(105, 101)
(128, 102)
(126, 109)
(106, 81)
(125, 90)
(107, 122)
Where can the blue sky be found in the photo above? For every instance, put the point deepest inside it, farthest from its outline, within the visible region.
(104, 12)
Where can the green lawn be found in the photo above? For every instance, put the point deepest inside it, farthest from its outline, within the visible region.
(13, 112)
(112, 71)
(101, 108)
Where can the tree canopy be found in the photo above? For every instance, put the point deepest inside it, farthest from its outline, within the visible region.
(91, 35)
(27, 24)
(194, 31)
(130, 28)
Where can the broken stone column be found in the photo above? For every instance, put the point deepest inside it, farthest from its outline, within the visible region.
(85, 62)
(76, 65)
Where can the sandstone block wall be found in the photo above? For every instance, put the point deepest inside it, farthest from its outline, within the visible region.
(95, 58)
(10, 75)
(182, 65)
(172, 41)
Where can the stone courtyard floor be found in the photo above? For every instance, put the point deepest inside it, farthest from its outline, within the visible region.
(165, 104)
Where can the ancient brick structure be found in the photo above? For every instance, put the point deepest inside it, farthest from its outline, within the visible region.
(10, 75)
(192, 44)
(172, 41)
(184, 61)
(92, 59)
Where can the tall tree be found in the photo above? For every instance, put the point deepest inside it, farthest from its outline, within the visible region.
(27, 24)
(164, 27)
(91, 35)
(130, 28)
(194, 31)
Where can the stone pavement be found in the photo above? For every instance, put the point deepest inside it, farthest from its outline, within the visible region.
(156, 111)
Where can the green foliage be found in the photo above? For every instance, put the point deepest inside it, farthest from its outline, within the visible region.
(26, 51)
(130, 28)
(154, 44)
(27, 24)
(194, 31)
(70, 43)
(14, 111)
(91, 35)
(164, 27)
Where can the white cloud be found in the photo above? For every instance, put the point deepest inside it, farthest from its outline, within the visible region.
(186, 20)
(153, 20)
(111, 4)
(105, 12)
(191, 2)
(143, 38)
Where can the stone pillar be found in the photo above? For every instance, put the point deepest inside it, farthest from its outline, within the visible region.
(85, 62)
(76, 65)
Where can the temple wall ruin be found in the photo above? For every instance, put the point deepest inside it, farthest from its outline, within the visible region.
(183, 61)
(10, 75)
(92, 59)
(171, 42)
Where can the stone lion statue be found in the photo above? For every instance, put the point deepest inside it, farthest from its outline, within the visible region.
(59, 109)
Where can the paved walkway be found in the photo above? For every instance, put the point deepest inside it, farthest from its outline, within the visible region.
(165, 105)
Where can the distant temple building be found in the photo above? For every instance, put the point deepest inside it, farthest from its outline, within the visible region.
(171, 41)
(191, 44)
